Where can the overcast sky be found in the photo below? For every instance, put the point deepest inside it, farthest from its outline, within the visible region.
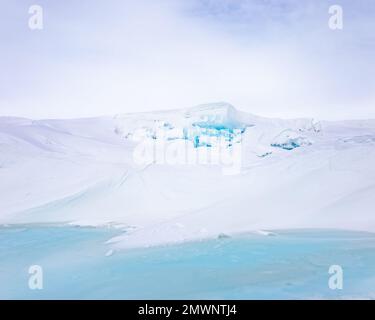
(268, 57)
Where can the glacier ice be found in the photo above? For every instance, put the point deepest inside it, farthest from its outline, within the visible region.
(82, 172)
(289, 140)
(204, 126)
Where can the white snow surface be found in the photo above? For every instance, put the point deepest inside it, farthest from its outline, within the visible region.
(82, 172)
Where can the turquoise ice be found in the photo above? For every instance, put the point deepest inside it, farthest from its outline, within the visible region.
(291, 264)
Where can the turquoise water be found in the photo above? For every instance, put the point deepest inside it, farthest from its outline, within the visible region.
(292, 264)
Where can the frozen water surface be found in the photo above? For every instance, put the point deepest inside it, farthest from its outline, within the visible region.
(78, 264)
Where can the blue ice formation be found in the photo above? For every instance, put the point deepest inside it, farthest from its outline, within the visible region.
(289, 140)
(208, 126)
(204, 126)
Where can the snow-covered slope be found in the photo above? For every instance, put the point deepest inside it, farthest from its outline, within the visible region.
(289, 173)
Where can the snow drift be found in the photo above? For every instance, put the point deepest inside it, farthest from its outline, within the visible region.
(295, 173)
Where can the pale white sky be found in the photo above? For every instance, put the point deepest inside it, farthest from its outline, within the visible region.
(268, 57)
